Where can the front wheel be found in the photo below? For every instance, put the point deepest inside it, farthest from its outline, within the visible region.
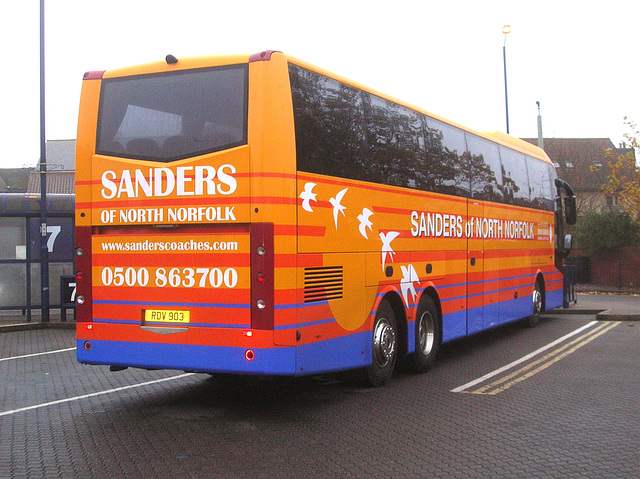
(537, 299)
(384, 346)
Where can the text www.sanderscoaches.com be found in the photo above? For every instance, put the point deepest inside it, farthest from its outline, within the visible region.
(190, 245)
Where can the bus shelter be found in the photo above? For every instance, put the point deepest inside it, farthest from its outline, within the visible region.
(20, 249)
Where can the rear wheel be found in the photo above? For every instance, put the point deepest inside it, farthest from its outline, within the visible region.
(427, 335)
(384, 346)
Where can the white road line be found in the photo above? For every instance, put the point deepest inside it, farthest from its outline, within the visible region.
(522, 359)
(37, 354)
(86, 396)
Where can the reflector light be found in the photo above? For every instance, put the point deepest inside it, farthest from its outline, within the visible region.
(79, 252)
(80, 299)
(262, 268)
(79, 276)
(249, 355)
(88, 326)
(247, 333)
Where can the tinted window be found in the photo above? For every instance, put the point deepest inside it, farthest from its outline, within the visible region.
(540, 184)
(552, 180)
(330, 125)
(394, 139)
(171, 116)
(345, 132)
(486, 170)
(514, 177)
(447, 165)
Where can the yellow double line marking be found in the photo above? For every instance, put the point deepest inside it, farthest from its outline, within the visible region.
(480, 385)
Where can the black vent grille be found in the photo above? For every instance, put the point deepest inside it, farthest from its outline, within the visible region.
(323, 284)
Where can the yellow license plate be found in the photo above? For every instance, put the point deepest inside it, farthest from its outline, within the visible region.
(166, 316)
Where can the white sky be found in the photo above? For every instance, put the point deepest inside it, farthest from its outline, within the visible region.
(579, 59)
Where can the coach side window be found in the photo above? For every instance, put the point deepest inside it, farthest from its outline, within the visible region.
(329, 125)
(394, 146)
(485, 169)
(515, 177)
(541, 196)
(446, 164)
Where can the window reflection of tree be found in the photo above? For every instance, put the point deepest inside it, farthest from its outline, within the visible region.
(509, 185)
(349, 133)
(484, 185)
(485, 169)
(393, 143)
(446, 169)
(516, 177)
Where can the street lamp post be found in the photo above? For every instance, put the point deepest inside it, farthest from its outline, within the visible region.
(540, 137)
(506, 30)
(44, 249)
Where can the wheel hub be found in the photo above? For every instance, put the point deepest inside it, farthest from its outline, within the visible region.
(384, 342)
(426, 333)
(537, 301)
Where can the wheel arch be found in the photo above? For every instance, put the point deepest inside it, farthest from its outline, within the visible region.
(395, 300)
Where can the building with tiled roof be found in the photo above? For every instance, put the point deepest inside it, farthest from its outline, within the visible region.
(60, 169)
(58, 182)
(582, 162)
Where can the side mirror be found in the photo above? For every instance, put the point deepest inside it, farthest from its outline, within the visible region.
(568, 243)
(570, 212)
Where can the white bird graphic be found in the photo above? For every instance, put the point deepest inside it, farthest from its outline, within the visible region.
(386, 245)
(337, 206)
(307, 196)
(365, 222)
(409, 276)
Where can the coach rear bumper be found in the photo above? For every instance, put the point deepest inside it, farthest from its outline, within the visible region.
(186, 357)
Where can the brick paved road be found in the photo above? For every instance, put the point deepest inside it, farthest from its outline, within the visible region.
(578, 417)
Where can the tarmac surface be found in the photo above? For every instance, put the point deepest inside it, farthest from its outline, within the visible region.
(557, 401)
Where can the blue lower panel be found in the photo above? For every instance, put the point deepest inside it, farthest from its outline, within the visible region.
(185, 357)
(516, 309)
(454, 325)
(491, 315)
(554, 299)
(475, 320)
(347, 352)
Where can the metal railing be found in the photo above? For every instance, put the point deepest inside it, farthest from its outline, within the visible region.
(570, 273)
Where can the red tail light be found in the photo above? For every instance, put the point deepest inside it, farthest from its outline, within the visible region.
(262, 272)
(83, 275)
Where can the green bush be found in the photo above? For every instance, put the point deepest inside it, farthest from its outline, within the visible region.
(600, 232)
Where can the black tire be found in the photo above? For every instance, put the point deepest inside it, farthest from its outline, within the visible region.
(384, 344)
(537, 298)
(427, 337)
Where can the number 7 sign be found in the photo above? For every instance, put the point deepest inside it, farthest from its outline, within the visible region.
(54, 231)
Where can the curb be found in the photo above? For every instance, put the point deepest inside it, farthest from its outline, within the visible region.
(9, 328)
(613, 316)
(600, 314)
(563, 311)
